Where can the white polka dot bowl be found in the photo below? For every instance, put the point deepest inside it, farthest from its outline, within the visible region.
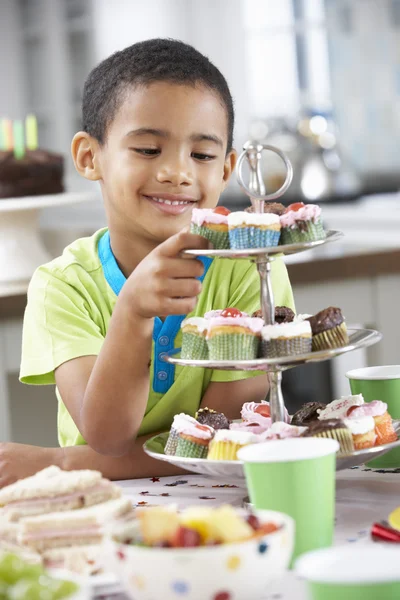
(225, 572)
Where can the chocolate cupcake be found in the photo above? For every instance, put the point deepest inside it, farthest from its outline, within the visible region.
(275, 208)
(283, 314)
(307, 413)
(328, 329)
(334, 429)
(212, 418)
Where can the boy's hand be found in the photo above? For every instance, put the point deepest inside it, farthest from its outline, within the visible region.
(19, 460)
(165, 283)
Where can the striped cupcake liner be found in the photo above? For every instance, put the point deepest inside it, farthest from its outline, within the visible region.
(233, 346)
(343, 436)
(223, 450)
(312, 232)
(331, 338)
(189, 449)
(285, 347)
(219, 239)
(172, 442)
(253, 237)
(194, 347)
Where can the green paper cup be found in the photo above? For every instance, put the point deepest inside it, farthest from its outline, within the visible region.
(380, 383)
(367, 573)
(295, 476)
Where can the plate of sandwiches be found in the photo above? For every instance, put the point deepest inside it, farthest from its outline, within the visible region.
(208, 443)
(60, 519)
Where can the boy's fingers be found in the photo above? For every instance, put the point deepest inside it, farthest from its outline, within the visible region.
(178, 268)
(183, 241)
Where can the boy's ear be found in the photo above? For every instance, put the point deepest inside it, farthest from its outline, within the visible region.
(84, 149)
(229, 166)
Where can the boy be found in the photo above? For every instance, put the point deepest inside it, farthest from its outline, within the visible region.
(157, 135)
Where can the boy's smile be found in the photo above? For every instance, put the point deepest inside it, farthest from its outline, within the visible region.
(165, 152)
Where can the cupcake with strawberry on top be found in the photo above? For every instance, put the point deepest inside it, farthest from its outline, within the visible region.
(259, 413)
(212, 223)
(384, 430)
(232, 335)
(301, 223)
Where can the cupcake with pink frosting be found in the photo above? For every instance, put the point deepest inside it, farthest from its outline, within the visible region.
(253, 230)
(212, 223)
(232, 336)
(384, 430)
(193, 440)
(282, 431)
(178, 425)
(301, 223)
(259, 413)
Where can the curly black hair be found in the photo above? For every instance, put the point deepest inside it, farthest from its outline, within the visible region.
(145, 63)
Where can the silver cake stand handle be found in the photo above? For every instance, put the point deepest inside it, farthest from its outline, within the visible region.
(252, 152)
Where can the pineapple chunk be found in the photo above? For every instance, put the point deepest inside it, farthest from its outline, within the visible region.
(229, 526)
(158, 524)
(199, 518)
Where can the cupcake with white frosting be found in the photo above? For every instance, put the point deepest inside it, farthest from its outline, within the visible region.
(286, 339)
(383, 421)
(340, 409)
(234, 338)
(193, 440)
(178, 425)
(363, 431)
(253, 230)
(301, 223)
(212, 223)
(194, 344)
(227, 442)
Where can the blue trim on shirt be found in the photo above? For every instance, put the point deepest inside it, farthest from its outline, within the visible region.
(164, 332)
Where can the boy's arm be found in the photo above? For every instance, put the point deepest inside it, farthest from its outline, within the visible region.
(19, 460)
(229, 396)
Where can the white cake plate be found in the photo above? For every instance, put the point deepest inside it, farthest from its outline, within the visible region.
(21, 246)
(358, 338)
(232, 470)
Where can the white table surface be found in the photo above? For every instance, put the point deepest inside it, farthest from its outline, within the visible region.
(364, 496)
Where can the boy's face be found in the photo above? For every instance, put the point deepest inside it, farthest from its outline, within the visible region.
(165, 153)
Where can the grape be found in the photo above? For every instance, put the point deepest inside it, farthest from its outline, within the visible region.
(13, 568)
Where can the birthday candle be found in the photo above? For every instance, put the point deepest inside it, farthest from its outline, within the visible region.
(31, 132)
(7, 134)
(19, 142)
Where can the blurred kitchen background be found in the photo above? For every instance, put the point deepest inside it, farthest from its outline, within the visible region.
(318, 78)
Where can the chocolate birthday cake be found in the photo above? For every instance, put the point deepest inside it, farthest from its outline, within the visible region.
(38, 173)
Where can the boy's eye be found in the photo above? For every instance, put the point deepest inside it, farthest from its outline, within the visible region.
(200, 156)
(146, 151)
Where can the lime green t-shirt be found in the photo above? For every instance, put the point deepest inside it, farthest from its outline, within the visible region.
(70, 303)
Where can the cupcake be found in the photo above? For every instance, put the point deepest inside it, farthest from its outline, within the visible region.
(212, 418)
(338, 409)
(281, 431)
(212, 223)
(301, 223)
(385, 433)
(193, 440)
(179, 423)
(225, 312)
(328, 329)
(253, 230)
(335, 429)
(283, 314)
(259, 413)
(286, 339)
(249, 427)
(275, 208)
(307, 413)
(233, 338)
(226, 444)
(194, 344)
(363, 431)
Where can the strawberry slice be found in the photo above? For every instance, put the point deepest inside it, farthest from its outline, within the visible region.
(351, 409)
(185, 537)
(221, 210)
(231, 312)
(295, 207)
(263, 410)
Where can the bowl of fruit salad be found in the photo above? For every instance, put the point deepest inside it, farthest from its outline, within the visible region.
(200, 553)
(27, 580)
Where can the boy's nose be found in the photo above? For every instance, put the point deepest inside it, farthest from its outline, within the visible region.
(177, 173)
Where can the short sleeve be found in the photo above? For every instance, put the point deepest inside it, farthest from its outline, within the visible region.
(58, 327)
(245, 295)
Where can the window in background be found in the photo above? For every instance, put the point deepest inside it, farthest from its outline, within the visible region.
(287, 52)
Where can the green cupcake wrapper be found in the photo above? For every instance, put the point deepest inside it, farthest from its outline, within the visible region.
(311, 233)
(331, 338)
(219, 239)
(194, 347)
(343, 436)
(172, 442)
(286, 347)
(233, 346)
(188, 449)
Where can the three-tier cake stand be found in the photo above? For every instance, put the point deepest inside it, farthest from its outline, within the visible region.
(263, 257)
